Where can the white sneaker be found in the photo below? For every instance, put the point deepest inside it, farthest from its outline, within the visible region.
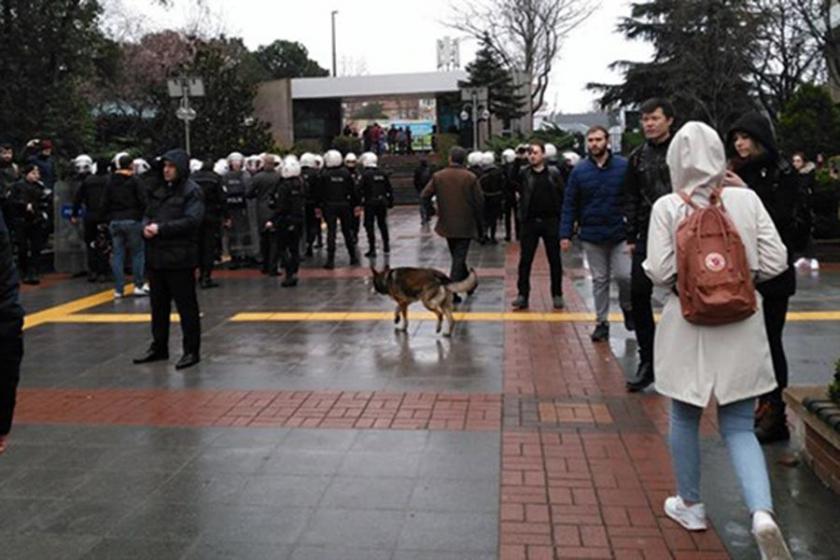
(801, 262)
(118, 295)
(769, 537)
(692, 518)
(815, 264)
(141, 291)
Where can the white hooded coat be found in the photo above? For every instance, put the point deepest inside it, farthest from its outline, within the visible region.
(694, 362)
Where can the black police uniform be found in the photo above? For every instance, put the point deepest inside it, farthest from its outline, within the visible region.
(90, 194)
(236, 184)
(492, 183)
(263, 188)
(337, 197)
(290, 208)
(312, 223)
(377, 197)
(210, 233)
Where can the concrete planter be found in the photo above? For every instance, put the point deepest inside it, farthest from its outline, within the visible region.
(820, 418)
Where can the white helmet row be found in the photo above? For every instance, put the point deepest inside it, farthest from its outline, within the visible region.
(83, 164)
(221, 166)
(474, 159)
(196, 165)
(235, 156)
(319, 161)
(369, 159)
(488, 158)
(550, 151)
(307, 159)
(140, 166)
(115, 162)
(291, 167)
(572, 158)
(350, 159)
(508, 155)
(253, 164)
(333, 158)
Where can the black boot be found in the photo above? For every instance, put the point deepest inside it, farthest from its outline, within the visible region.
(330, 264)
(772, 426)
(289, 281)
(151, 355)
(644, 377)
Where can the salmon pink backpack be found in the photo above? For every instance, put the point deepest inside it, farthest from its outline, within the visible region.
(714, 280)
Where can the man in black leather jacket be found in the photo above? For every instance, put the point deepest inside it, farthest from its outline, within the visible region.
(647, 179)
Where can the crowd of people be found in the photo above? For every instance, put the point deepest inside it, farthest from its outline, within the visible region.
(173, 215)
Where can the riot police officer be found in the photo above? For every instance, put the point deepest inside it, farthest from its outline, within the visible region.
(215, 214)
(338, 201)
(289, 209)
(312, 222)
(492, 183)
(510, 206)
(377, 197)
(90, 194)
(237, 181)
(263, 188)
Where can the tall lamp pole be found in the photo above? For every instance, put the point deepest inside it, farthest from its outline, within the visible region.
(332, 16)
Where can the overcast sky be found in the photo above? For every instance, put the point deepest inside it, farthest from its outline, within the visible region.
(389, 36)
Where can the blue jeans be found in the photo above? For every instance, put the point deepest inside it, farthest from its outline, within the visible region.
(735, 422)
(127, 234)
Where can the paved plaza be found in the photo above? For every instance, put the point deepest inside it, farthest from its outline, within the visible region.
(312, 430)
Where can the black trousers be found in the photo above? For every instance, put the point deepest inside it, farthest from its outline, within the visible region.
(178, 285)
(511, 209)
(344, 214)
(288, 239)
(532, 231)
(377, 216)
(11, 354)
(492, 211)
(775, 313)
(312, 225)
(270, 251)
(210, 238)
(641, 292)
(97, 260)
(458, 250)
(30, 240)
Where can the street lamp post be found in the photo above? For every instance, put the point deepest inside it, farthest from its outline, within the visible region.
(332, 17)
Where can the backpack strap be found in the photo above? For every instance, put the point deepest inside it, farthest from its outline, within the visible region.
(686, 197)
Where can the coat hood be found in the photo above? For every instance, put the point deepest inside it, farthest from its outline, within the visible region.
(181, 160)
(696, 157)
(759, 128)
(808, 168)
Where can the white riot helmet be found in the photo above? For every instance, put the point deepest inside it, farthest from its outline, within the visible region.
(333, 158)
(319, 161)
(572, 158)
(550, 152)
(350, 160)
(235, 156)
(474, 159)
(291, 167)
(508, 155)
(253, 164)
(196, 165)
(370, 159)
(307, 159)
(488, 158)
(115, 162)
(140, 166)
(278, 161)
(221, 167)
(83, 164)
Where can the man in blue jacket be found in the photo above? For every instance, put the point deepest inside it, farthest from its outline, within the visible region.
(593, 202)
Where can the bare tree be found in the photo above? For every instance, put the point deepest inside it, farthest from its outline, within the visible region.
(526, 34)
(352, 66)
(788, 55)
(817, 15)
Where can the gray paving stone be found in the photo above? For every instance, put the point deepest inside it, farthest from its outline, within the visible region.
(80, 517)
(302, 462)
(136, 549)
(284, 490)
(227, 460)
(201, 488)
(236, 550)
(459, 466)
(342, 553)
(357, 528)
(372, 493)
(319, 440)
(449, 532)
(385, 441)
(245, 523)
(41, 547)
(362, 464)
(43, 483)
(161, 521)
(459, 495)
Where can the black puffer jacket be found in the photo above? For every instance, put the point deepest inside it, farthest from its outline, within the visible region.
(775, 182)
(647, 179)
(125, 197)
(178, 209)
(214, 194)
(336, 188)
(11, 311)
(492, 182)
(91, 195)
(526, 190)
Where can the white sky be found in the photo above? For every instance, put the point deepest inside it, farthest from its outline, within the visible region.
(393, 36)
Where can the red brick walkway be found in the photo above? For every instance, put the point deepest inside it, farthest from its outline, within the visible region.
(585, 467)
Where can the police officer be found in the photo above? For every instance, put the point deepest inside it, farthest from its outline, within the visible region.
(648, 178)
(30, 203)
(351, 162)
(492, 183)
(171, 224)
(338, 201)
(312, 221)
(90, 194)
(509, 208)
(377, 198)
(215, 214)
(237, 181)
(289, 209)
(263, 187)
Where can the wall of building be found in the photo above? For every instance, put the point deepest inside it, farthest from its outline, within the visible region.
(273, 105)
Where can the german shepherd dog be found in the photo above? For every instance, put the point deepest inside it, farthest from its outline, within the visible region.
(435, 289)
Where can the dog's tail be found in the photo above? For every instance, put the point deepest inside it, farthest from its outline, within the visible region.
(468, 284)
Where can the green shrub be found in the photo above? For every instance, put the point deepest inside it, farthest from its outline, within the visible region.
(834, 386)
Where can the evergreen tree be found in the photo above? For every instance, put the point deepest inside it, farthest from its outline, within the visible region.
(702, 58)
(503, 99)
(810, 122)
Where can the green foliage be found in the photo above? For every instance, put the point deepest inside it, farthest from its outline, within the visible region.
(488, 71)
(347, 144)
(810, 122)
(287, 59)
(702, 58)
(445, 142)
(553, 134)
(630, 140)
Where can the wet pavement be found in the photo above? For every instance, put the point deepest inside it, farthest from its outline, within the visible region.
(311, 429)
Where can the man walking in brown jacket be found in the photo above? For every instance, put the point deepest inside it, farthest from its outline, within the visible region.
(460, 204)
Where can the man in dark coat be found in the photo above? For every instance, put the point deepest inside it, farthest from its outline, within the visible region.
(11, 335)
(215, 214)
(492, 183)
(756, 164)
(647, 179)
(30, 203)
(422, 174)
(263, 189)
(171, 224)
(289, 212)
(90, 195)
(460, 205)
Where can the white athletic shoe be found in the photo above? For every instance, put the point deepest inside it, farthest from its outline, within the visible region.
(692, 518)
(815, 264)
(769, 537)
(141, 291)
(118, 295)
(801, 262)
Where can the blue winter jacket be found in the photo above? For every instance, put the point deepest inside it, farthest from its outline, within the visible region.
(593, 200)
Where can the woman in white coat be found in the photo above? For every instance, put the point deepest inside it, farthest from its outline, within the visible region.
(730, 362)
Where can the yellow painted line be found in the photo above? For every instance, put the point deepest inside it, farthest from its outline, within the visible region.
(813, 316)
(53, 313)
(109, 318)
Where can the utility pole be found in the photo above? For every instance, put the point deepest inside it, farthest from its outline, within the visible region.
(185, 88)
(332, 16)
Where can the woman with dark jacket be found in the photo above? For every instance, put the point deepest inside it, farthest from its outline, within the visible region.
(756, 164)
(806, 172)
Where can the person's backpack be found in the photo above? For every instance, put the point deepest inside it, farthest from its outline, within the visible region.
(714, 280)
